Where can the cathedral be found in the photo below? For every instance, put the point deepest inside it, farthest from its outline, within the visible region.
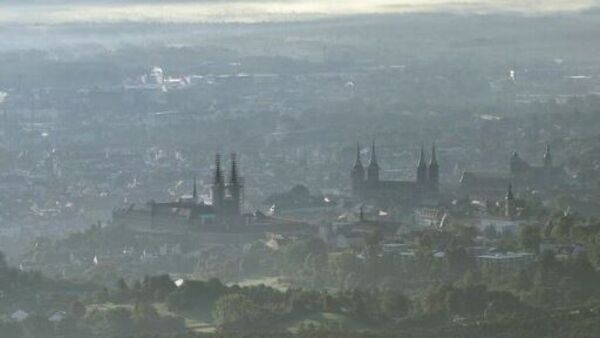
(224, 213)
(372, 187)
(486, 185)
(227, 197)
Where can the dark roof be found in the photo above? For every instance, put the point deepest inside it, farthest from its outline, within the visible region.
(484, 180)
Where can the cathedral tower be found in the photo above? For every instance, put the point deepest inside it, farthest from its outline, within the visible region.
(373, 170)
(358, 174)
(218, 187)
(547, 157)
(195, 192)
(509, 201)
(422, 169)
(235, 189)
(434, 171)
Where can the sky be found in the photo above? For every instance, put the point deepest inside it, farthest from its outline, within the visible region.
(261, 11)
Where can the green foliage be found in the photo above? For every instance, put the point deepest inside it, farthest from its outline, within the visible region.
(237, 310)
(530, 238)
(144, 319)
(395, 304)
(196, 296)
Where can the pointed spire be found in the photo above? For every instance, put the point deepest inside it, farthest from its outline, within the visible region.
(422, 161)
(195, 191)
(357, 161)
(362, 213)
(508, 202)
(373, 154)
(433, 157)
(373, 170)
(547, 157)
(509, 193)
(218, 174)
(234, 174)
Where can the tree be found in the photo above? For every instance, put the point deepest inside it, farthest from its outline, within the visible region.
(11, 330)
(562, 230)
(78, 309)
(122, 293)
(530, 237)
(373, 243)
(236, 310)
(523, 281)
(435, 299)
(38, 326)
(490, 232)
(458, 260)
(112, 323)
(395, 304)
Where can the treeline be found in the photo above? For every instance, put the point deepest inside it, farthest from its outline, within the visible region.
(468, 310)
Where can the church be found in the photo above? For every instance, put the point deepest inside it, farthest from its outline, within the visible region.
(527, 176)
(368, 186)
(224, 213)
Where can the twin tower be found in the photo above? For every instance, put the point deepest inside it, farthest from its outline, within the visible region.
(227, 197)
(428, 177)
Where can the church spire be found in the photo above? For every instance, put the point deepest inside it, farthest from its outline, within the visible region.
(422, 168)
(422, 162)
(357, 161)
(373, 170)
(434, 171)
(235, 190)
(547, 157)
(233, 179)
(509, 193)
(509, 202)
(218, 188)
(218, 179)
(357, 174)
(195, 191)
(373, 154)
(433, 157)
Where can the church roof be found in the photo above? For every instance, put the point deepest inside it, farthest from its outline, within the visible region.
(484, 180)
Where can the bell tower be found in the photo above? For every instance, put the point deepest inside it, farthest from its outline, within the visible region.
(218, 187)
(357, 174)
(434, 171)
(373, 170)
(422, 169)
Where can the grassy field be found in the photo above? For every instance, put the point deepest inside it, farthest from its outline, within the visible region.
(274, 282)
(195, 324)
(322, 318)
(202, 325)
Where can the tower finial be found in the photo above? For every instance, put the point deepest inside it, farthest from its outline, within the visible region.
(195, 191)
(509, 192)
(508, 202)
(218, 179)
(434, 171)
(357, 161)
(373, 153)
(234, 174)
(422, 168)
(433, 157)
(373, 170)
(422, 157)
(547, 157)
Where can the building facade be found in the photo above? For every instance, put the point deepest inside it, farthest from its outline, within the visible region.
(524, 175)
(224, 213)
(368, 185)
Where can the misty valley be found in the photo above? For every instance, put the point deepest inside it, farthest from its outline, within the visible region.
(299, 169)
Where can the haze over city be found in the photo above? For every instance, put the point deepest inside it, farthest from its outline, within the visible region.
(383, 168)
(57, 12)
